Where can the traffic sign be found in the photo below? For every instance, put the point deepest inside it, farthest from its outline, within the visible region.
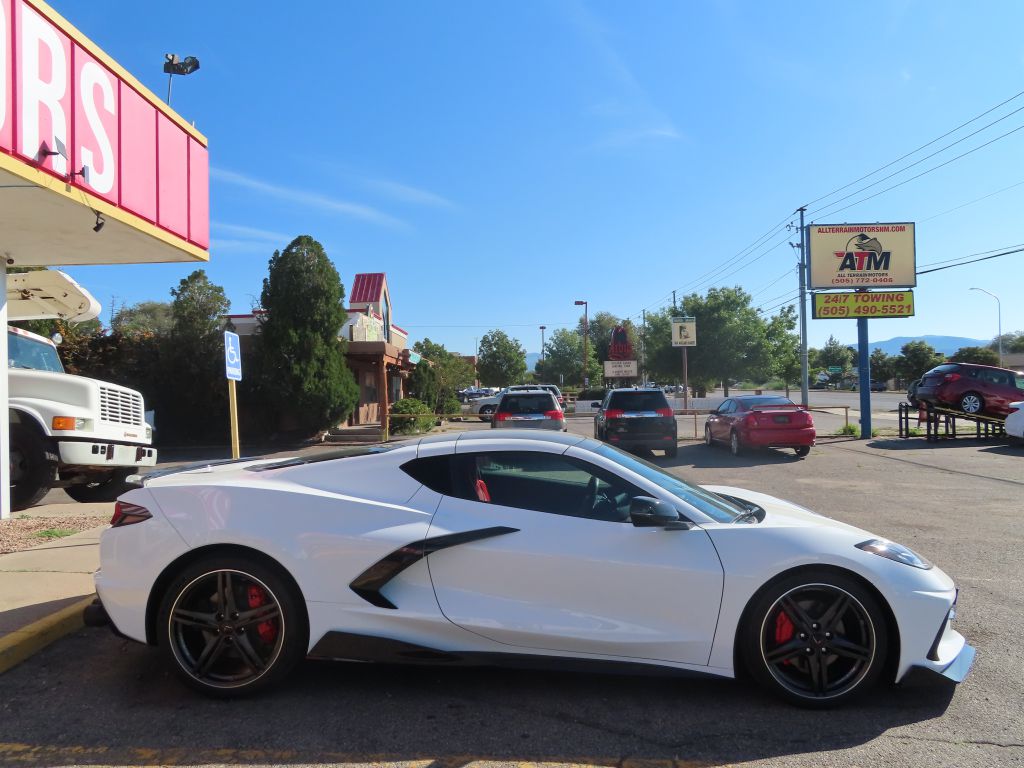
(835, 369)
(232, 356)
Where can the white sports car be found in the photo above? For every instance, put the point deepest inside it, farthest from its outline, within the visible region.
(476, 548)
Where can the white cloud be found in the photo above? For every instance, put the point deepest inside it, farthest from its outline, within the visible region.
(303, 197)
(251, 233)
(409, 194)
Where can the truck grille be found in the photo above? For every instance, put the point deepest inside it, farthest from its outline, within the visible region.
(120, 407)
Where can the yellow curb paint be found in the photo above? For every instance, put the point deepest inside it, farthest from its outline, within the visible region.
(22, 643)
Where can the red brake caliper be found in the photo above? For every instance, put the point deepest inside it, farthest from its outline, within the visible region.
(266, 629)
(783, 630)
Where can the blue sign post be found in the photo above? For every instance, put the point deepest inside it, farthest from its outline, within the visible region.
(233, 372)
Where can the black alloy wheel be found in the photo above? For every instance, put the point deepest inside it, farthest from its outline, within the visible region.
(802, 450)
(817, 640)
(32, 465)
(231, 626)
(485, 412)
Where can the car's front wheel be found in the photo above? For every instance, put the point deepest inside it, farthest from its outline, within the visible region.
(708, 441)
(231, 625)
(735, 446)
(817, 638)
(485, 412)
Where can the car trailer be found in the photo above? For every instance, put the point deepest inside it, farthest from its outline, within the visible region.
(941, 423)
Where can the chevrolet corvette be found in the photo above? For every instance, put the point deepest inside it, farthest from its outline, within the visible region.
(543, 548)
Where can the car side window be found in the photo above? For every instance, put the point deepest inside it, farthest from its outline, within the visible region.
(1018, 381)
(435, 472)
(727, 407)
(544, 482)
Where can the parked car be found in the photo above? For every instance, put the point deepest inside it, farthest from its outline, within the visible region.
(637, 418)
(554, 390)
(876, 385)
(760, 421)
(973, 389)
(484, 547)
(912, 392)
(1015, 420)
(529, 409)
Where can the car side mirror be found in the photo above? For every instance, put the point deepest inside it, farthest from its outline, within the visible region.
(648, 512)
(595, 404)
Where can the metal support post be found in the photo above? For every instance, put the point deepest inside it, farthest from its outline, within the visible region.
(804, 372)
(236, 451)
(5, 424)
(864, 377)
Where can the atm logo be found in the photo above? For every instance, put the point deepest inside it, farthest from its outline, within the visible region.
(863, 254)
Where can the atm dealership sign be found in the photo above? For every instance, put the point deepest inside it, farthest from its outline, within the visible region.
(862, 256)
(70, 114)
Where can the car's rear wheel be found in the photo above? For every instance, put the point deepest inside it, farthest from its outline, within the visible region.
(708, 441)
(672, 451)
(231, 625)
(485, 412)
(972, 402)
(817, 639)
(802, 450)
(735, 446)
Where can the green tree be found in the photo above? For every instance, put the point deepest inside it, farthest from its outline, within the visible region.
(976, 355)
(436, 382)
(883, 366)
(731, 340)
(563, 360)
(784, 347)
(197, 308)
(154, 317)
(601, 326)
(835, 354)
(915, 358)
(502, 360)
(302, 361)
(1012, 342)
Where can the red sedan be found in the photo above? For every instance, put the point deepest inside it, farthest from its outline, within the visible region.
(760, 421)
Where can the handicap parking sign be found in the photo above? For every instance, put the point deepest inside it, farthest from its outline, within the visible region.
(232, 356)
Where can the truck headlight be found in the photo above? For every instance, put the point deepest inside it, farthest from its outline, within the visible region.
(149, 433)
(896, 552)
(71, 423)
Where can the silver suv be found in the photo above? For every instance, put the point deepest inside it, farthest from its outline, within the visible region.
(529, 409)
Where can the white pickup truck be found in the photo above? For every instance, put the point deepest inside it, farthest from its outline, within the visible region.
(82, 435)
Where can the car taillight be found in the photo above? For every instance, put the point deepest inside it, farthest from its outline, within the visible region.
(501, 416)
(128, 514)
(951, 377)
(750, 420)
(664, 412)
(614, 413)
(556, 414)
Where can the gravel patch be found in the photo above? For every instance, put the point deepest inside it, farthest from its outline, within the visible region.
(17, 534)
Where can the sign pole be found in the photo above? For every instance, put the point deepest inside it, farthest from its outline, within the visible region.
(233, 373)
(233, 408)
(686, 383)
(864, 377)
(804, 370)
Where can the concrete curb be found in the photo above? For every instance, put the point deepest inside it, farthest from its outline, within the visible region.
(29, 640)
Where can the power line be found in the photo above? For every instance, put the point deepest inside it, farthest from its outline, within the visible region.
(923, 173)
(914, 152)
(970, 255)
(976, 200)
(972, 261)
(773, 282)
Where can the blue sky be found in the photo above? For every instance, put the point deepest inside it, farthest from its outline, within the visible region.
(500, 160)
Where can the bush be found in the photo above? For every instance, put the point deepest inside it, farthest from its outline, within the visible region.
(416, 417)
(590, 395)
(449, 406)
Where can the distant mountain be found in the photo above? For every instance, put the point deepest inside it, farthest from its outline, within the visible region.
(947, 345)
(531, 360)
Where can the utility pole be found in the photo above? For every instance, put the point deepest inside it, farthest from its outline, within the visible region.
(804, 373)
(586, 334)
(643, 344)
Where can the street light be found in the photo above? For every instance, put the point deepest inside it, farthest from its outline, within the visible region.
(999, 310)
(175, 66)
(586, 333)
(542, 329)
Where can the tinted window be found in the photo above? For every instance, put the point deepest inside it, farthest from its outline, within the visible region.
(753, 402)
(544, 482)
(538, 403)
(945, 368)
(435, 472)
(638, 400)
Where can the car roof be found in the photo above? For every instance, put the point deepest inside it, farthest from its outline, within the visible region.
(534, 435)
(635, 389)
(978, 365)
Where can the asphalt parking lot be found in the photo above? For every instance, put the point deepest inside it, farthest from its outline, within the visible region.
(93, 699)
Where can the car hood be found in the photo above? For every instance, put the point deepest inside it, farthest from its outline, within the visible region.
(781, 513)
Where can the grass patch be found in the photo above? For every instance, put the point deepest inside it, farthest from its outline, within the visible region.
(54, 533)
(848, 429)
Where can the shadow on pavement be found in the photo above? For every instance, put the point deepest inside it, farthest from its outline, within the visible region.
(115, 703)
(998, 445)
(700, 456)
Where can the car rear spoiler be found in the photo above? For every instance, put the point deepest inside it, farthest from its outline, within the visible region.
(139, 481)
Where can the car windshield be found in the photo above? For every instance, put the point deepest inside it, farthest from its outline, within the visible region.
(639, 400)
(25, 352)
(712, 505)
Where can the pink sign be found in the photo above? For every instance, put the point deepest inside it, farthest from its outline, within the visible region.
(64, 110)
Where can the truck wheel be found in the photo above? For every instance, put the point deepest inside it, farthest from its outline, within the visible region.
(33, 466)
(107, 489)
